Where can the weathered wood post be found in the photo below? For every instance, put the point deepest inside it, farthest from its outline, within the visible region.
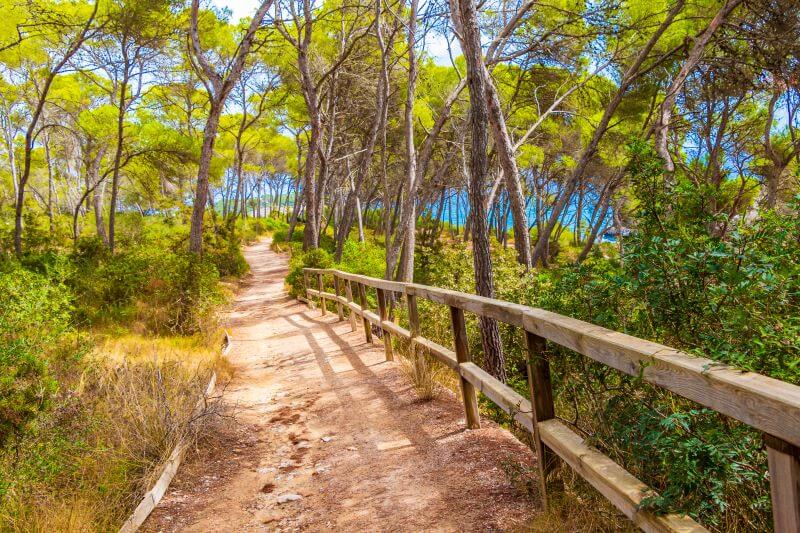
(462, 356)
(362, 297)
(384, 314)
(337, 289)
(413, 315)
(541, 390)
(348, 287)
(307, 284)
(784, 481)
(413, 323)
(321, 287)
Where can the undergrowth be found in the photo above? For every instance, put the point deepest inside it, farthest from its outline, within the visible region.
(103, 358)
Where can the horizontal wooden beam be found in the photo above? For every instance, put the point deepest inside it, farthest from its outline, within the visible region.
(395, 329)
(767, 404)
(445, 356)
(377, 283)
(506, 312)
(611, 480)
(504, 396)
(372, 317)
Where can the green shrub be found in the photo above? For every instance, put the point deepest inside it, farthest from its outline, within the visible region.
(34, 318)
(314, 258)
(222, 246)
(364, 258)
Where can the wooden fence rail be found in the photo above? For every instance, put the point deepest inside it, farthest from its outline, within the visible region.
(766, 404)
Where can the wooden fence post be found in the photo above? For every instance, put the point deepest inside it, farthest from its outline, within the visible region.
(348, 287)
(413, 315)
(337, 289)
(541, 390)
(320, 287)
(413, 323)
(362, 296)
(462, 356)
(384, 314)
(784, 480)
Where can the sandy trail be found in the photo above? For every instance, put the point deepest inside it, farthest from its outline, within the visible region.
(322, 416)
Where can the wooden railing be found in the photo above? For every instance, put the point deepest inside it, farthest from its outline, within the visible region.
(766, 404)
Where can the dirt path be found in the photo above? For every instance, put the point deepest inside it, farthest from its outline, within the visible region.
(325, 422)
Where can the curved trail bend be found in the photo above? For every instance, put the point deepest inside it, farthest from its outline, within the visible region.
(325, 422)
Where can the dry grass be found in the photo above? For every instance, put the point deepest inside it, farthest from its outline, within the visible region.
(426, 376)
(196, 352)
(113, 426)
(573, 505)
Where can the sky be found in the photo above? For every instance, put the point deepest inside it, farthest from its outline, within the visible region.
(435, 45)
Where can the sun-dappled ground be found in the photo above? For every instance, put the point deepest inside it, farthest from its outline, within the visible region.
(331, 436)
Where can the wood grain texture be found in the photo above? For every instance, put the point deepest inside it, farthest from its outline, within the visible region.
(383, 311)
(371, 318)
(784, 474)
(337, 288)
(321, 288)
(348, 288)
(362, 299)
(504, 396)
(395, 329)
(506, 312)
(462, 356)
(543, 408)
(442, 354)
(394, 286)
(413, 314)
(618, 485)
(767, 404)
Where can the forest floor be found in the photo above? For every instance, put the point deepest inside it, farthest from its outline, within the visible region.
(330, 436)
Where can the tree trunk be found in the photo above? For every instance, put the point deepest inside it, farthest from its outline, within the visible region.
(543, 241)
(201, 192)
(50, 185)
(408, 218)
(121, 108)
(505, 151)
(311, 230)
(465, 20)
(699, 46)
(598, 223)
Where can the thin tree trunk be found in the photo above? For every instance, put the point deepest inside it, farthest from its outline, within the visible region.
(201, 191)
(408, 219)
(121, 109)
(465, 20)
(699, 46)
(543, 241)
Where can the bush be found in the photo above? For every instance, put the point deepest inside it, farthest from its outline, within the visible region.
(314, 258)
(34, 319)
(363, 258)
(222, 246)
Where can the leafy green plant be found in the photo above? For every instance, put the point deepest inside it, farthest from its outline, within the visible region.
(313, 258)
(34, 318)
